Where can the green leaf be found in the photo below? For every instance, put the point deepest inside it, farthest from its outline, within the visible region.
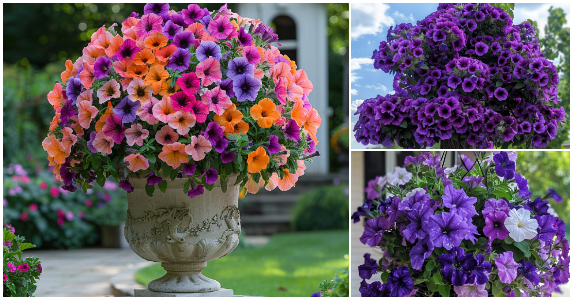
(96, 162)
(163, 186)
(524, 247)
(519, 85)
(25, 246)
(223, 178)
(437, 277)
(478, 191)
(187, 186)
(404, 124)
(499, 83)
(425, 67)
(166, 169)
(100, 179)
(384, 276)
(444, 290)
(149, 189)
(430, 265)
(419, 280)
(508, 240)
(412, 80)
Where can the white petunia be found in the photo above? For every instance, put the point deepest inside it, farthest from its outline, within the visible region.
(399, 176)
(448, 171)
(413, 192)
(520, 225)
(382, 180)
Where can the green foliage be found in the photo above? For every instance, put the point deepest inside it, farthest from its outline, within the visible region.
(289, 265)
(507, 7)
(337, 287)
(322, 208)
(19, 274)
(53, 218)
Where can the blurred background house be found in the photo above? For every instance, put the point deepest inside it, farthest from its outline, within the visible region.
(543, 169)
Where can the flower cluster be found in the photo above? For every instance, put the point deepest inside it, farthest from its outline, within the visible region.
(472, 227)
(20, 275)
(205, 92)
(467, 74)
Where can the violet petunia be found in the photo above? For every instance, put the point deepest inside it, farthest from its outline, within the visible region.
(547, 229)
(292, 131)
(211, 176)
(239, 66)
(506, 267)
(153, 179)
(457, 266)
(208, 49)
(458, 202)
(370, 267)
(522, 186)
(126, 110)
(447, 229)
(399, 283)
(480, 273)
(422, 250)
(184, 40)
(220, 145)
(529, 271)
(180, 60)
(214, 132)
(494, 225)
(504, 167)
(246, 87)
(127, 50)
(74, 88)
(196, 191)
(492, 205)
(419, 218)
(274, 146)
(67, 112)
(126, 185)
(227, 156)
(189, 169)
(373, 231)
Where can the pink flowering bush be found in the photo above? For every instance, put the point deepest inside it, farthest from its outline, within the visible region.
(19, 275)
(52, 217)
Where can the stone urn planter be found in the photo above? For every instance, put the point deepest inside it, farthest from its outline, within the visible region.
(183, 233)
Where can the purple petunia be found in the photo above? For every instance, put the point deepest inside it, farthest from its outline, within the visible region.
(529, 271)
(447, 229)
(500, 93)
(373, 230)
(74, 88)
(370, 267)
(506, 267)
(196, 191)
(457, 266)
(180, 60)
(184, 40)
(126, 185)
(211, 176)
(189, 169)
(292, 131)
(239, 66)
(208, 49)
(127, 50)
(422, 250)
(504, 167)
(102, 67)
(399, 283)
(419, 218)
(494, 225)
(244, 37)
(246, 87)
(126, 110)
(153, 179)
(214, 132)
(67, 112)
(458, 202)
(274, 145)
(227, 156)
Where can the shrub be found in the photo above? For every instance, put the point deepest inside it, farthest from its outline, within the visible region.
(322, 208)
(52, 217)
(19, 276)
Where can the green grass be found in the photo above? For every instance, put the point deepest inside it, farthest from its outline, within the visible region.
(290, 264)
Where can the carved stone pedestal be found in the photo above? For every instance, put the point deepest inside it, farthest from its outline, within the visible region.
(183, 233)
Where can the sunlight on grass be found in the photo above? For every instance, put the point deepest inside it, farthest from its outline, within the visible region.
(291, 264)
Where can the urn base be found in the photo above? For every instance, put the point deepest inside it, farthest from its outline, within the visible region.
(184, 278)
(148, 293)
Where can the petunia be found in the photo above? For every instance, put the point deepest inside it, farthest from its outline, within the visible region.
(471, 290)
(136, 71)
(126, 185)
(110, 90)
(399, 283)
(70, 71)
(229, 118)
(246, 87)
(144, 58)
(87, 113)
(189, 83)
(170, 29)
(244, 37)
(174, 155)
(217, 100)
(182, 101)
(155, 77)
(257, 160)
(239, 66)
(136, 134)
(547, 229)
(458, 202)
(184, 40)
(506, 267)
(101, 122)
(182, 121)
(418, 218)
(73, 89)
(252, 54)
(103, 143)
(457, 266)
(504, 167)
(310, 120)
(136, 162)
(273, 146)
(137, 90)
(87, 75)
(373, 231)
(292, 130)
(468, 85)
(148, 24)
(196, 191)
(520, 225)
(214, 132)
(494, 225)
(198, 147)
(189, 169)
(180, 60)
(400, 176)
(145, 112)
(221, 27)
(113, 128)
(265, 113)
(200, 111)
(163, 110)
(153, 179)
(447, 229)
(422, 250)
(165, 53)
(102, 67)
(529, 271)
(500, 93)
(166, 135)
(126, 109)
(208, 49)
(211, 176)
(227, 156)
(209, 71)
(128, 49)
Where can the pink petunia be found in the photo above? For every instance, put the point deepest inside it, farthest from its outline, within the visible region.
(163, 110)
(114, 128)
(166, 135)
(24, 267)
(182, 101)
(102, 143)
(148, 24)
(182, 121)
(200, 110)
(209, 71)
(11, 267)
(87, 112)
(221, 27)
(282, 159)
(136, 134)
(136, 162)
(198, 147)
(217, 100)
(189, 83)
(252, 54)
(145, 112)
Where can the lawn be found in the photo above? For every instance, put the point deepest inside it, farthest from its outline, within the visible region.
(290, 264)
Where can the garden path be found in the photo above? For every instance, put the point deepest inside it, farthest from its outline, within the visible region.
(82, 272)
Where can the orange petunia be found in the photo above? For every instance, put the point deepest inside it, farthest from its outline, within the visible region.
(69, 72)
(137, 71)
(163, 110)
(55, 149)
(229, 118)
(55, 121)
(174, 155)
(138, 91)
(114, 45)
(108, 112)
(301, 79)
(240, 128)
(298, 113)
(182, 121)
(292, 64)
(257, 160)
(265, 112)
(288, 181)
(144, 57)
(166, 89)
(93, 51)
(55, 97)
(156, 40)
(87, 75)
(165, 53)
(121, 66)
(155, 77)
(87, 112)
(136, 162)
(311, 123)
(68, 139)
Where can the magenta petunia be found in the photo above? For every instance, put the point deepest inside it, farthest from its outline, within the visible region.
(102, 67)
(113, 127)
